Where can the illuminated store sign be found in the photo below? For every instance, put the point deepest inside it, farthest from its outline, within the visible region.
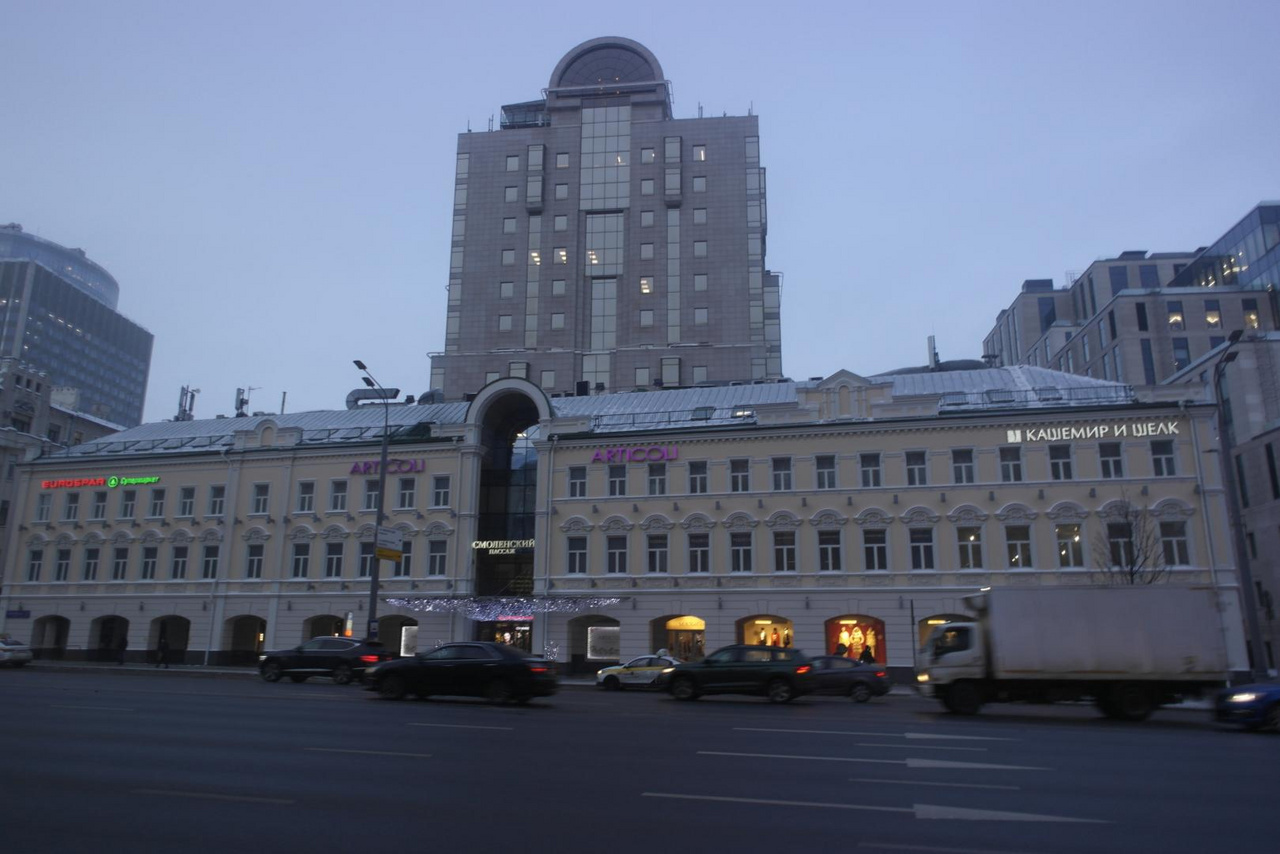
(393, 466)
(109, 482)
(638, 454)
(1140, 430)
(501, 547)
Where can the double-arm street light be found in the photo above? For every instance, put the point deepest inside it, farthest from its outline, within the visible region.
(1248, 598)
(371, 632)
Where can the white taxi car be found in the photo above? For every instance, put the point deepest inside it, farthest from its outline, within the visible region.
(14, 653)
(641, 672)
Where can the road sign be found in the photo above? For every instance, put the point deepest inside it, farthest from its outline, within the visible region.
(389, 543)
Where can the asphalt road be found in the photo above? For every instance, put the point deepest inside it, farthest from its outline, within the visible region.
(178, 763)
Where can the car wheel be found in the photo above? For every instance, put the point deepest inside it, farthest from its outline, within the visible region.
(963, 698)
(1132, 702)
(498, 691)
(271, 672)
(298, 677)
(684, 689)
(342, 674)
(1271, 720)
(780, 691)
(392, 688)
(612, 683)
(860, 693)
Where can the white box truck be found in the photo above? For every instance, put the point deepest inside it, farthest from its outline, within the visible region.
(1129, 649)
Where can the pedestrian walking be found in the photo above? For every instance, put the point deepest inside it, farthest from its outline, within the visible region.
(162, 653)
(122, 643)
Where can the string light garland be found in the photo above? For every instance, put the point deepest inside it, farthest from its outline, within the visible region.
(490, 608)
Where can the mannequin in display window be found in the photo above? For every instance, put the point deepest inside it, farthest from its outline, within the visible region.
(764, 639)
(775, 639)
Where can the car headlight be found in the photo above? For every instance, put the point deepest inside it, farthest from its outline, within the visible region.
(1245, 697)
(667, 669)
(262, 658)
(922, 677)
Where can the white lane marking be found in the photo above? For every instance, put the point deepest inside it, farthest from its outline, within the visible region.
(92, 708)
(923, 747)
(464, 726)
(921, 811)
(211, 796)
(932, 783)
(872, 734)
(369, 752)
(895, 847)
(910, 763)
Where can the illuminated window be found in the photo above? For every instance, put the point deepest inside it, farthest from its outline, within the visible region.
(1070, 545)
(560, 255)
(1212, 314)
(647, 155)
(1017, 540)
(646, 284)
(699, 153)
(1176, 319)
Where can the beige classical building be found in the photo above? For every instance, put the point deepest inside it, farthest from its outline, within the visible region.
(846, 510)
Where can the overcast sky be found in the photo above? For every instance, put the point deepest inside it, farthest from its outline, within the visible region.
(270, 183)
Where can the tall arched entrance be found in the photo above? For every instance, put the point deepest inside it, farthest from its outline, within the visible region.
(681, 635)
(176, 633)
(398, 633)
(856, 636)
(242, 639)
(764, 630)
(322, 625)
(49, 637)
(105, 634)
(594, 642)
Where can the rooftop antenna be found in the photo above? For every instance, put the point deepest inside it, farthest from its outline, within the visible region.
(699, 109)
(186, 404)
(242, 400)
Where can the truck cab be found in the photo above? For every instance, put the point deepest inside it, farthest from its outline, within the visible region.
(951, 652)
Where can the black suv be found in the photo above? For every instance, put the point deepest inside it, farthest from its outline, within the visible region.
(343, 659)
(779, 673)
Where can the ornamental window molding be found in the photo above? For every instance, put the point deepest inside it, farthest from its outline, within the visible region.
(740, 522)
(367, 533)
(657, 522)
(1067, 511)
(210, 535)
(121, 538)
(783, 520)
(575, 525)
(65, 540)
(334, 532)
(256, 535)
(1119, 510)
(151, 537)
(828, 520)
(968, 515)
(37, 541)
(615, 524)
(874, 517)
(302, 534)
(698, 523)
(437, 529)
(920, 515)
(1172, 509)
(94, 538)
(1016, 513)
(181, 537)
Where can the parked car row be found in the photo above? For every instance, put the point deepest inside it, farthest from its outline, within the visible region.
(779, 673)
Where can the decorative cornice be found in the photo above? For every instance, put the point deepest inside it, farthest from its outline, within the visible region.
(967, 514)
(828, 519)
(657, 522)
(783, 520)
(1016, 512)
(740, 522)
(616, 523)
(918, 515)
(576, 525)
(1067, 511)
(698, 522)
(874, 517)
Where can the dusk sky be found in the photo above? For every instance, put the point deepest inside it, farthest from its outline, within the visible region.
(270, 183)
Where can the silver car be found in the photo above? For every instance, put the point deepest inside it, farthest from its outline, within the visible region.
(14, 653)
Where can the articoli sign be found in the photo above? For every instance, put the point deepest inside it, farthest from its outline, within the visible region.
(638, 454)
(1139, 430)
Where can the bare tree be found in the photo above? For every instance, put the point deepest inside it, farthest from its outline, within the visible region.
(1128, 549)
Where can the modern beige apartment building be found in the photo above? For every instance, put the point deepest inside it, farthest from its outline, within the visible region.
(846, 510)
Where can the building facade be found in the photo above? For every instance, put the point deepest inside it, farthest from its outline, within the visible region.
(59, 313)
(599, 239)
(847, 510)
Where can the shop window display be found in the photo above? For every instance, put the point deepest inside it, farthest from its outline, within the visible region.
(857, 637)
(683, 637)
(766, 631)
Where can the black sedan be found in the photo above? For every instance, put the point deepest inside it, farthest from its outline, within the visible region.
(845, 677)
(343, 659)
(494, 671)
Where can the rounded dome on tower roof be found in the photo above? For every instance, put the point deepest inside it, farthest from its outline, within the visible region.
(605, 61)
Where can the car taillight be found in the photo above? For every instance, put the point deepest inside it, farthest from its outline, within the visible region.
(803, 668)
(880, 674)
(535, 668)
(369, 659)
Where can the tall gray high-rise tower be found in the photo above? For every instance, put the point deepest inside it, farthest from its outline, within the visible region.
(598, 239)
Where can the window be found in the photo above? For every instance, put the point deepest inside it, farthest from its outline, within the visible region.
(157, 504)
(406, 494)
(120, 564)
(557, 322)
(647, 155)
(781, 474)
(1162, 462)
(646, 320)
(562, 160)
(404, 567)
(1148, 362)
(699, 249)
(178, 568)
(1017, 539)
(1181, 353)
(577, 481)
(699, 281)
(301, 559)
(740, 551)
(560, 223)
(1141, 311)
(922, 548)
(306, 496)
(699, 216)
(646, 253)
(186, 501)
(699, 184)
(1173, 540)
(1011, 465)
(829, 551)
(970, 540)
(1119, 279)
(1060, 462)
(616, 554)
(91, 558)
(784, 551)
(562, 192)
(646, 186)
(1271, 470)
(62, 565)
(261, 497)
(962, 466)
(1212, 314)
(698, 477)
(71, 508)
(511, 194)
(577, 556)
(506, 290)
(35, 558)
(646, 219)
(504, 323)
(99, 510)
(1109, 456)
(699, 153)
(699, 553)
(1070, 547)
(337, 496)
(699, 317)
(1241, 482)
(509, 225)
(333, 553)
(150, 558)
(917, 469)
(1120, 541)
(513, 163)
(253, 560)
(1250, 308)
(617, 480)
(437, 554)
(1177, 320)
(371, 495)
(217, 500)
(739, 475)
(825, 466)
(1148, 276)
(368, 555)
(870, 466)
(440, 491)
(875, 548)
(657, 478)
(658, 553)
(44, 505)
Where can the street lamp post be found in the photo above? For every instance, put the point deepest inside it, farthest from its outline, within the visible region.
(371, 631)
(1257, 668)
